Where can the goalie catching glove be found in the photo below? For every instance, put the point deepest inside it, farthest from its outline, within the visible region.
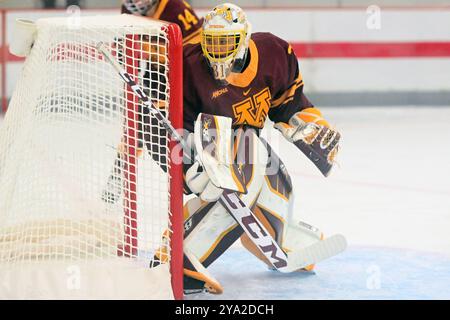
(312, 134)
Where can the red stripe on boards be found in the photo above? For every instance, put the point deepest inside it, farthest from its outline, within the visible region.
(371, 49)
(345, 50)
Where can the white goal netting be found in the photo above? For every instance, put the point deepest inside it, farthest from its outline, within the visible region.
(85, 171)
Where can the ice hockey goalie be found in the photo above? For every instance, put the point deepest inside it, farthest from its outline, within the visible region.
(245, 78)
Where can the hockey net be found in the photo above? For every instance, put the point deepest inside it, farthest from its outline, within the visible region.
(90, 185)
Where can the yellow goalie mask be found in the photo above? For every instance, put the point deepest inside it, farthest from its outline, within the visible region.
(225, 36)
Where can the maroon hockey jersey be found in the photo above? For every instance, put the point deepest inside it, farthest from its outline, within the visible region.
(181, 13)
(271, 85)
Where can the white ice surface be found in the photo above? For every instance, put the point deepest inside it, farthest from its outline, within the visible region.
(390, 197)
(393, 184)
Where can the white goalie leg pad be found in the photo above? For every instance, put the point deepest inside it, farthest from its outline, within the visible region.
(302, 242)
(213, 143)
(276, 202)
(209, 238)
(272, 210)
(191, 207)
(207, 233)
(295, 234)
(300, 235)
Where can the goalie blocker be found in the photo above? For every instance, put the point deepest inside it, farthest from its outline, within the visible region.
(309, 132)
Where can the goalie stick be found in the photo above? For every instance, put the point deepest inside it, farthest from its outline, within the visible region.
(233, 204)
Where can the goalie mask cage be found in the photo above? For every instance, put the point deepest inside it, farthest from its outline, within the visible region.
(90, 183)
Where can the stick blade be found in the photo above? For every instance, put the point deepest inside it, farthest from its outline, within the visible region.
(316, 252)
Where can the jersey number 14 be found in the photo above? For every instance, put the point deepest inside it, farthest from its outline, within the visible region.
(188, 19)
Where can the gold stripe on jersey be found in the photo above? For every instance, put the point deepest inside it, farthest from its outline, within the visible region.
(244, 79)
(193, 38)
(289, 93)
(160, 10)
(288, 100)
(187, 4)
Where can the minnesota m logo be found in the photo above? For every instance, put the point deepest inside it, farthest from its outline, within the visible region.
(253, 110)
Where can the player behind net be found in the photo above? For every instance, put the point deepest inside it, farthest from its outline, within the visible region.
(175, 11)
(153, 75)
(245, 78)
